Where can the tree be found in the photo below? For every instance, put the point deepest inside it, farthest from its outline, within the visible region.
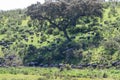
(64, 14)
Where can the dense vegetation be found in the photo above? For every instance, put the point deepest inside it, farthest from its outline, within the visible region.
(85, 38)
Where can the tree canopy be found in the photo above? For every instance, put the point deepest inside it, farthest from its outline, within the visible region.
(64, 14)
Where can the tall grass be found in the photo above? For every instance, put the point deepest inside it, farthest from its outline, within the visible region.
(36, 73)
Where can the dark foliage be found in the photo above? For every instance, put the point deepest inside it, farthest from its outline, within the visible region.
(62, 14)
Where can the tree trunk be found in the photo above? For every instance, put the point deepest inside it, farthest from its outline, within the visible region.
(66, 35)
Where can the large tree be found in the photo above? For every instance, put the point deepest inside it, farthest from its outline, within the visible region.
(64, 14)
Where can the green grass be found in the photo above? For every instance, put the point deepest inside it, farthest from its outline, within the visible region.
(36, 73)
(18, 77)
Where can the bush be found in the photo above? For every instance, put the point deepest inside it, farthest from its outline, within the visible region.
(19, 22)
(1, 60)
(3, 31)
(42, 78)
(30, 24)
(75, 30)
(117, 38)
(55, 32)
(49, 31)
(68, 67)
(11, 58)
(111, 46)
(113, 12)
(105, 75)
(43, 38)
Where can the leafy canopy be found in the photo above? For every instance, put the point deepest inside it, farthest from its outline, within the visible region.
(64, 14)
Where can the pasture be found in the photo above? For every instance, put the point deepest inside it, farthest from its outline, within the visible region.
(36, 73)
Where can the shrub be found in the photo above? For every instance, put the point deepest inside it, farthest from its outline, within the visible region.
(49, 31)
(55, 32)
(3, 31)
(75, 30)
(117, 38)
(111, 46)
(62, 69)
(43, 38)
(105, 75)
(1, 60)
(11, 58)
(68, 67)
(42, 78)
(30, 24)
(19, 22)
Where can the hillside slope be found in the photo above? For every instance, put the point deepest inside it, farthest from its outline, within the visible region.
(94, 40)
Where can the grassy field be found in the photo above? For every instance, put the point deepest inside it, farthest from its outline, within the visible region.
(18, 77)
(25, 73)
